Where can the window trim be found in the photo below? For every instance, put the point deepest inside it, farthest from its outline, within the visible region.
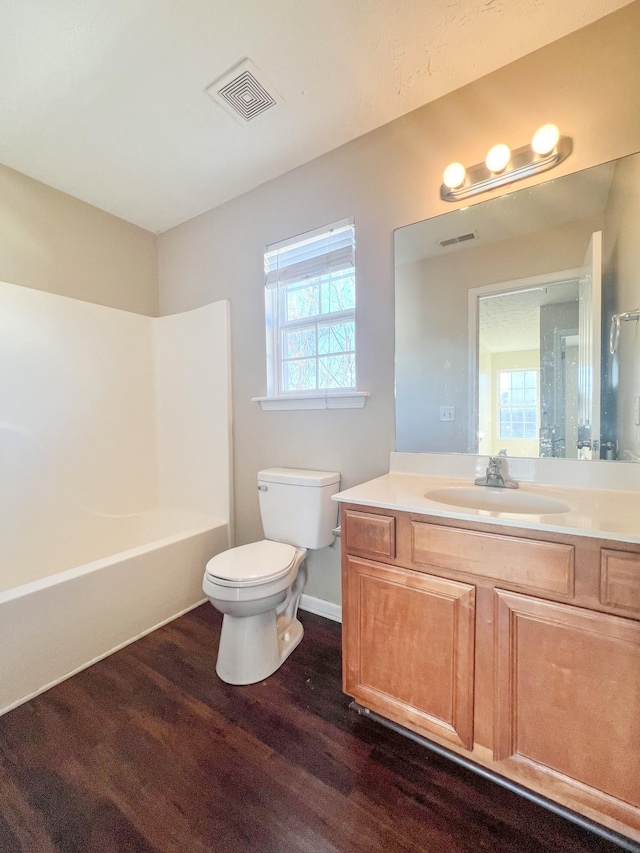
(316, 400)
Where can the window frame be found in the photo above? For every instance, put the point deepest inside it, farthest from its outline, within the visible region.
(308, 257)
(524, 405)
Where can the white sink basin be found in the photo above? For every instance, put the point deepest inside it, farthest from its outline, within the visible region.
(497, 500)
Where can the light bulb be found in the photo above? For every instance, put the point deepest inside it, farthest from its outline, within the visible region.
(545, 139)
(454, 176)
(498, 158)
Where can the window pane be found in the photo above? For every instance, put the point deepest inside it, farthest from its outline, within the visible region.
(310, 302)
(299, 375)
(518, 398)
(336, 371)
(302, 301)
(299, 342)
(339, 337)
(338, 294)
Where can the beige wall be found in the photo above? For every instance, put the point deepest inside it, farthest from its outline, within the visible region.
(51, 241)
(587, 83)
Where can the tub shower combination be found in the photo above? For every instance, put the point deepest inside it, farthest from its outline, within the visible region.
(114, 477)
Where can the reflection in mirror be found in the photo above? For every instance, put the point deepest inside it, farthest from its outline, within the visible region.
(527, 369)
(503, 317)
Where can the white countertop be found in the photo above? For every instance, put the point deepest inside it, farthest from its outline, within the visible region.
(603, 513)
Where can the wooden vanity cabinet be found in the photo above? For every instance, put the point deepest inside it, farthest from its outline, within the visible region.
(410, 638)
(517, 649)
(567, 693)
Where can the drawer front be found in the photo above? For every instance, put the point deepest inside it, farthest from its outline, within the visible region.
(542, 566)
(620, 580)
(369, 533)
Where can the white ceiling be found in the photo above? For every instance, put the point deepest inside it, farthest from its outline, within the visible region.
(106, 100)
(511, 322)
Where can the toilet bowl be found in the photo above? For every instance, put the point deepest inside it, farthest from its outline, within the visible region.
(257, 587)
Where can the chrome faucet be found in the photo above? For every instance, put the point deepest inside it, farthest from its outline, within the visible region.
(497, 475)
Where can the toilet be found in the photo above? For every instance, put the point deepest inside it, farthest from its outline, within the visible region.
(258, 586)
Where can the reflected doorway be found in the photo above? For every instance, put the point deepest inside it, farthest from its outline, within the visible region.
(526, 363)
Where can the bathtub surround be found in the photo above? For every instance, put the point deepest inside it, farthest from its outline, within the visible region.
(115, 453)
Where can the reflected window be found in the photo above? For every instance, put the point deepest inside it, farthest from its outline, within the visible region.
(518, 403)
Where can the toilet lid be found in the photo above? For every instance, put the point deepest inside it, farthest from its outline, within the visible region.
(254, 563)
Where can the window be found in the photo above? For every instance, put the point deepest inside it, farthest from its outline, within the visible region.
(518, 403)
(310, 301)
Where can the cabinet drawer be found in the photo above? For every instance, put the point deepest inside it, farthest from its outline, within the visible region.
(542, 566)
(620, 580)
(369, 533)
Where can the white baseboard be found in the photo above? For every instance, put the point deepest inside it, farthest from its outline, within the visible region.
(321, 607)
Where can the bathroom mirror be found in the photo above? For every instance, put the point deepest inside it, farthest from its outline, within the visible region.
(507, 313)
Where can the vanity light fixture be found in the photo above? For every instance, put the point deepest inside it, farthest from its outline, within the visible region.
(503, 166)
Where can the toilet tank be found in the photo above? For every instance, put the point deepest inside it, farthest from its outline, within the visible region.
(296, 506)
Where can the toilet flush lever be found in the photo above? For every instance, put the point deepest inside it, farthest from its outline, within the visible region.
(263, 488)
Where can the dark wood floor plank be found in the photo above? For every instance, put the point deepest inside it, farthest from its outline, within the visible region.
(149, 751)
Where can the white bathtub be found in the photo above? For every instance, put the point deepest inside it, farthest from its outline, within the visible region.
(126, 576)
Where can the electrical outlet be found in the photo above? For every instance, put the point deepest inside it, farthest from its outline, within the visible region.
(447, 413)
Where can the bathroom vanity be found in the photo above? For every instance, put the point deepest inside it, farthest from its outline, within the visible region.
(510, 639)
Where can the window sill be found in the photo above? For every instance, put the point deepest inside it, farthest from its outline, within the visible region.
(325, 400)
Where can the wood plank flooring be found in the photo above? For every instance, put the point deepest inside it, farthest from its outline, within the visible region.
(149, 751)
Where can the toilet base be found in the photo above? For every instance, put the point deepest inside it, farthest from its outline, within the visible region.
(289, 637)
(253, 647)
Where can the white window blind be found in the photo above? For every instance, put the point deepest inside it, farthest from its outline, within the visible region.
(310, 303)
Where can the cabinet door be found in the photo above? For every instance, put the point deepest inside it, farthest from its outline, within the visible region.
(408, 652)
(567, 697)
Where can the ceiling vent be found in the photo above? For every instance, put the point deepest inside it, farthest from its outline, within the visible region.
(462, 238)
(244, 92)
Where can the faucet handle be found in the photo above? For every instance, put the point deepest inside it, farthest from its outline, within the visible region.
(497, 474)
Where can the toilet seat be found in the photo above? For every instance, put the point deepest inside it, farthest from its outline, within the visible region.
(251, 565)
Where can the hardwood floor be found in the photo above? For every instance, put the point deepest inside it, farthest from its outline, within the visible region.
(149, 751)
